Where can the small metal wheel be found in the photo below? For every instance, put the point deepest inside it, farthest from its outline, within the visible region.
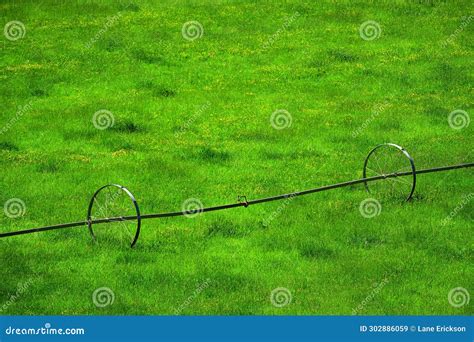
(397, 169)
(113, 200)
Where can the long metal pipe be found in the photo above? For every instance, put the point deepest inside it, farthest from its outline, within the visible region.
(241, 204)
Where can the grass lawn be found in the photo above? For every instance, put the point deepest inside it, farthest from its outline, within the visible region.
(192, 117)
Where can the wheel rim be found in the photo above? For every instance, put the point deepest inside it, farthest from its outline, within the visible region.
(113, 200)
(387, 159)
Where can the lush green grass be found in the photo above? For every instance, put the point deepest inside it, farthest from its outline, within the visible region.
(225, 86)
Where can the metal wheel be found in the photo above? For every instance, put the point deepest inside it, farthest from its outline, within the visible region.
(387, 159)
(113, 200)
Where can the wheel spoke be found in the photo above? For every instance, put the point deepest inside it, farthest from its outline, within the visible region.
(389, 160)
(114, 202)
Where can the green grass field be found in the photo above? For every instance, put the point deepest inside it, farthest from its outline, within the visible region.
(192, 119)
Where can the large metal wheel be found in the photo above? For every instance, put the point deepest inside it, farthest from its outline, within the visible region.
(390, 159)
(113, 200)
